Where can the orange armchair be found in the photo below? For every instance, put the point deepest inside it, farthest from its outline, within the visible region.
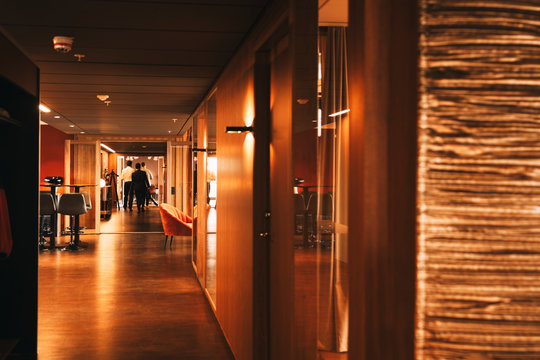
(175, 222)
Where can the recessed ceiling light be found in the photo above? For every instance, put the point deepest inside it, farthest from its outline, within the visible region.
(170, 131)
(174, 119)
(57, 116)
(82, 132)
(71, 125)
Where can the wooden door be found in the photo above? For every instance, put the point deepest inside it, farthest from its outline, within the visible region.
(82, 166)
(179, 175)
(272, 205)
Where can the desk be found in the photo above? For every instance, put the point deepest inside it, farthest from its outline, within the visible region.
(54, 218)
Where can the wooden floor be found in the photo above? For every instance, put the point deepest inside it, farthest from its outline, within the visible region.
(132, 221)
(125, 297)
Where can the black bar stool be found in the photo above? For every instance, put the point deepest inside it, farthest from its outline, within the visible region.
(72, 204)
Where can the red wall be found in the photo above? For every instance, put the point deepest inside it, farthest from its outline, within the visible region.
(52, 151)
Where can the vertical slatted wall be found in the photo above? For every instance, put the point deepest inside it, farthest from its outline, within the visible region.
(479, 180)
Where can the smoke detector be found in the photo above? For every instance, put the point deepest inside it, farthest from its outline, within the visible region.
(62, 44)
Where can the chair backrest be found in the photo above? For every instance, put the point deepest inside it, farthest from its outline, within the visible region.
(87, 199)
(176, 213)
(174, 221)
(47, 204)
(72, 204)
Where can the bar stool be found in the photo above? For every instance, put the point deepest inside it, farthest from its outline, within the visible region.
(72, 204)
(87, 199)
(47, 207)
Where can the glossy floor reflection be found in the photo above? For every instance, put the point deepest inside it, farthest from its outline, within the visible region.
(125, 297)
(132, 221)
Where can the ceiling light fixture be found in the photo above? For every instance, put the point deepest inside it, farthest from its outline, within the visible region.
(82, 132)
(102, 97)
(107, 148)
(71, 125)
(339, 113)
(107, 102)
(174, 120)
(57, 116)
(43, 108)
(238, 129)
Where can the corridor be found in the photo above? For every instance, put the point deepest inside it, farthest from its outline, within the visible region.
(125, 297)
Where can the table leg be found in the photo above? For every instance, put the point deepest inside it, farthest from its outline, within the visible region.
(54, 223)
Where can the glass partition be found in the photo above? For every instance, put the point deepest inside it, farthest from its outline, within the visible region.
(211, 198)
(321, 156)
(194, 140)
(331, 196)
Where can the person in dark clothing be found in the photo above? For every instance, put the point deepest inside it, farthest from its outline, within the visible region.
(140, 184)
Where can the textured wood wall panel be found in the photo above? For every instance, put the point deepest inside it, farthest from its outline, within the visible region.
(479, 180)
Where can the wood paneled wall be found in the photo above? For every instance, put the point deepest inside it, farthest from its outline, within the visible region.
(479, 189)
(383, 97)
(85, 168)
(235, 107)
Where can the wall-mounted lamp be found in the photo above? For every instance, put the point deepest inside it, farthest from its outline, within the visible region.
(238, 129)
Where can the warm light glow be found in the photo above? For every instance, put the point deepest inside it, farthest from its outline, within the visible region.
(247, 150)
(107, 148)
(71, 126)
(102, 183)
(339, 113)
(211, 168)
(41, 122)
(249, 106)
(57, 116)
(43, 108)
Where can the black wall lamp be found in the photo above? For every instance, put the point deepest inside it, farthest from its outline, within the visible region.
(238, 129)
